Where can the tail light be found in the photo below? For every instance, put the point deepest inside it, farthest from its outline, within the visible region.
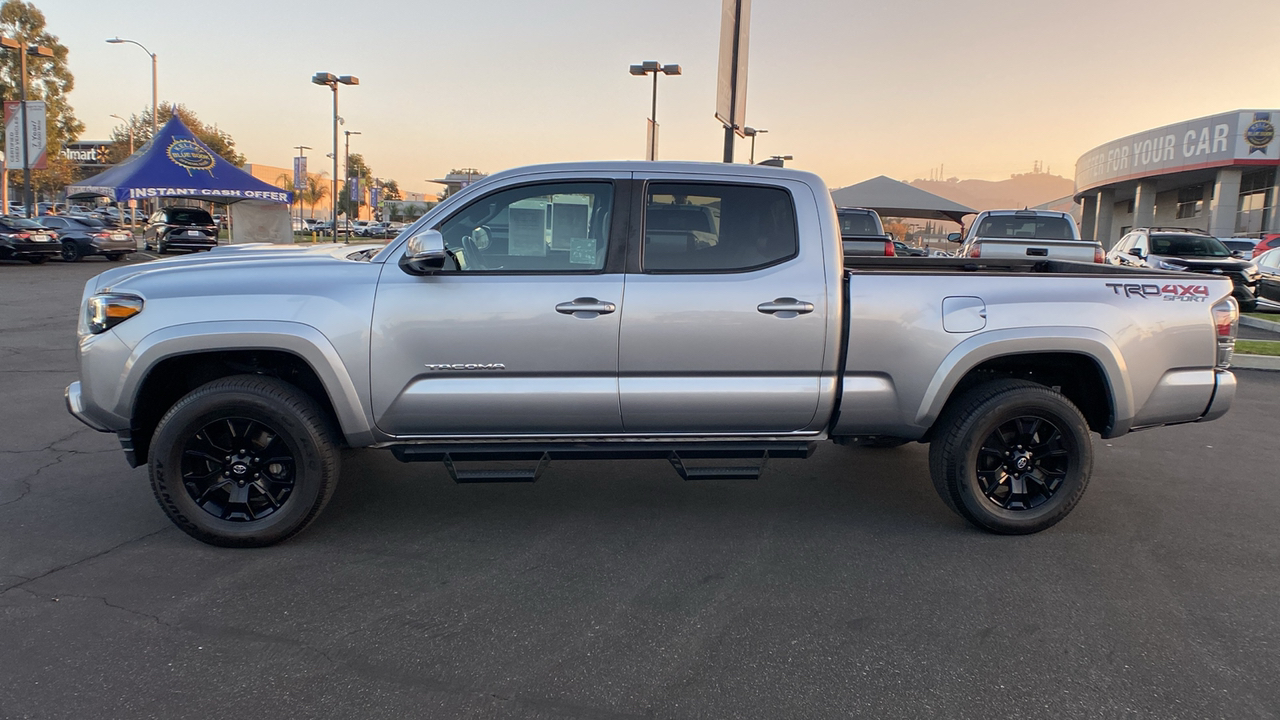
(975, 251)
(1098, 257)
(22, 236)
(102, 236)
(888, 249)
(1226, 319)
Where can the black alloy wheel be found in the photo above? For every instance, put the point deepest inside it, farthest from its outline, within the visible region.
(244, 461)
(1011, 456)
(238, 469)
(1023, 463)
(71, 251)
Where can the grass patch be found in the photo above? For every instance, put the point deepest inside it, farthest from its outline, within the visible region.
(1272, 316)
(1258, 347)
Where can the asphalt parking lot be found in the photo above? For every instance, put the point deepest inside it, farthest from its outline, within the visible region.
(834, 587)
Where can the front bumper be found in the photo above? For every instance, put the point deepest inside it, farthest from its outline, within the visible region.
(1224, 392)
(75, 406)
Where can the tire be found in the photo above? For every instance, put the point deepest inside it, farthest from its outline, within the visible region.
(1016, 419)
(38, 259)
(146, 246)
(71, 251)
(114, 257)
(217, 433)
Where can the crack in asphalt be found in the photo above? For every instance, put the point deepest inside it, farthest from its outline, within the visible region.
(81, 561)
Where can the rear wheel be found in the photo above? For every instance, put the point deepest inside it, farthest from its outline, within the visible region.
(38, 259)
(114, 257)
(71, 251)
(1011, 456)
(244, 461)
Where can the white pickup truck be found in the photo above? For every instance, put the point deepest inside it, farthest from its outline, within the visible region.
(1034, 234)
(689, 312)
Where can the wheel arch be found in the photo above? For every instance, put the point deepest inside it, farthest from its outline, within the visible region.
(170, 363)
(1085, 364)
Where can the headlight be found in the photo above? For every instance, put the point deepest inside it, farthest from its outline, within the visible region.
(1166, 265)
(104, 312)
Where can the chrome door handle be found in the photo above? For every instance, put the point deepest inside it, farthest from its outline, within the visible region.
(586, 307)
(785, 307)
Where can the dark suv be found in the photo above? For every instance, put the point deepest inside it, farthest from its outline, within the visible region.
(180, 228)
(1171, 248)
(23, 239)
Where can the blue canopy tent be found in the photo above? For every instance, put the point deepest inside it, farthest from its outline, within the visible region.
(176, 165)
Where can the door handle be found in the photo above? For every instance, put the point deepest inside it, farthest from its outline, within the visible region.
(585, 307)
(785, 307)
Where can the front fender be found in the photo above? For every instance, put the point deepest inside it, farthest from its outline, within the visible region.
(985, 346)
(300, 339)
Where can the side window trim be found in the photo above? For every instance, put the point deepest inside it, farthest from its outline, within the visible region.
(635, 257)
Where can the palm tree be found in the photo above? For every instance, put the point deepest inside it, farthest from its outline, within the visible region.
(285, 182)
(317, 189)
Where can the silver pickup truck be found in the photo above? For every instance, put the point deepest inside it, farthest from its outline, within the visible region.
(698, 313)
(1035, 234)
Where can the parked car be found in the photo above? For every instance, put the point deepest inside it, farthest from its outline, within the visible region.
(358, 227)
(180, 228)
(23, 239)
(49, 208)
(1188, 250)
(1038, 234)
(862, 233)
(487, 333)
(902, 249)
(1240, 247)
(1269, 275)
(80, 239)
(1269, 241)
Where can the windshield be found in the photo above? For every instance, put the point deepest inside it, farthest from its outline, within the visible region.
(1188, 246)
(1013, 226)
(18, 222)
(1245, 246)
(190, 216)
(858, 224)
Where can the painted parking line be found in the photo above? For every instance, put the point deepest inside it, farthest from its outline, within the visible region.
(153, 257)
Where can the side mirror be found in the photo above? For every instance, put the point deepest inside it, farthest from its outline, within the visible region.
(1238, 254)
(424, 254)
(1137, 252)
(953, 237)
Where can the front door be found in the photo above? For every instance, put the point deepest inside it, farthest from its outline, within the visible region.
(725, 328)
(519, 333)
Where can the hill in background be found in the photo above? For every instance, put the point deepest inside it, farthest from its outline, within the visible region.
(1019, 191)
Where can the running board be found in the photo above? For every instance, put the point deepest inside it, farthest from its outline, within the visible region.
(543, 453)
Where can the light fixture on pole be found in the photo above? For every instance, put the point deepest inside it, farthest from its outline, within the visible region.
(117, 41)
(752, 133)
(645, 68)
(38, 51)
(130, 126)
(346, 171)
(332, 82)
(776, 160)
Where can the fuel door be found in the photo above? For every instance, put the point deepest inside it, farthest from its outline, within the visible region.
(963, 314)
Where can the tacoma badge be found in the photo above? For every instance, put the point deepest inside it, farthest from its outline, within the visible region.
(468, 366)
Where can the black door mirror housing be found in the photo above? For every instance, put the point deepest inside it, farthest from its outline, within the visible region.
(953, 237)
(1137, 252)
(424, 254)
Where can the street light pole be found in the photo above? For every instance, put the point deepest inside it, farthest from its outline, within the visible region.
(751, 133)
(154, 94)
(645, 68)
(130, 126)
(332, 81)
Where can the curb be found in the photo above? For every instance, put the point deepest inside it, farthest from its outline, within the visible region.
(1256, 362)
(1259, 323)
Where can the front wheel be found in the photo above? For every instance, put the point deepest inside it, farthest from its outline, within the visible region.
(1011, 456)
(71, 251)
(244, 461)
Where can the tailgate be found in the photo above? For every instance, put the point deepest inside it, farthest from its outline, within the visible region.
(1036, 249)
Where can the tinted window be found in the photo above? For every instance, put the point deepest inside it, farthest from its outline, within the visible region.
(710, 228)
(19, 222)
(190, 216)
(561, 227)
(1188, 246)
(1244, 246)
(1013, 226)
(857, 224)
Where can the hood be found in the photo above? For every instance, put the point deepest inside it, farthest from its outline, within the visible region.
(1208, 265)
(240, 256)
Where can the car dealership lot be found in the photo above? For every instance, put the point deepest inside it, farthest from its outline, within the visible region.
(835, 586)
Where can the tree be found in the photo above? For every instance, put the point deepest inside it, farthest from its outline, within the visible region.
(391, 190)
(356, 168)
(48, 80)
(218, 140)
(317, 189)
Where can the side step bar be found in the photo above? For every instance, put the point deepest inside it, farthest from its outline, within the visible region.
(543, 453)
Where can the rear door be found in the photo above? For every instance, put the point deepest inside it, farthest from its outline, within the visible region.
(519, 334)
(724, 329)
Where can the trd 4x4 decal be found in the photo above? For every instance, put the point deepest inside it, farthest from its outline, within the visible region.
(1173, 293)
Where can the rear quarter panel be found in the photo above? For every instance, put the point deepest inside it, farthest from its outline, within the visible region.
(901, 366)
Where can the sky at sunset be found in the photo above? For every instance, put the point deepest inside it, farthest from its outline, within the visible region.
(851, 89)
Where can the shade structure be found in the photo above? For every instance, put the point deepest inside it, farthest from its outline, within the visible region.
(175, 164)
(891, 198)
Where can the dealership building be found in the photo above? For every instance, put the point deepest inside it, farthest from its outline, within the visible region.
(1217, 173)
